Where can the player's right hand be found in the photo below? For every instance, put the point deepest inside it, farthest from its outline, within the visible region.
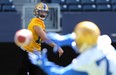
(60, 51)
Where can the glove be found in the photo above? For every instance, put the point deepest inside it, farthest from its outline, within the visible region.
(33, 58)
(36, 58)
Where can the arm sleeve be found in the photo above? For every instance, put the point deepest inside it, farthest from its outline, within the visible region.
(61, 40)
(52, 69)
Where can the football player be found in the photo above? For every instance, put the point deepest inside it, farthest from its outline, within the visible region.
(94, 58)
(38, 29)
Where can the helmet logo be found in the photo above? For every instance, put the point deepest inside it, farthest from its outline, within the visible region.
(44, 6)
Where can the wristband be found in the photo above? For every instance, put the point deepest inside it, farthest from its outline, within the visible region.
(56, 48)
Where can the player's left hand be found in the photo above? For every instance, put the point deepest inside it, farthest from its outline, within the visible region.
(33, 58)
(37, 59)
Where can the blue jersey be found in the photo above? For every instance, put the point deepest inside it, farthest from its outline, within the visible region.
(94, 61)
(98, 60)
(63, 40)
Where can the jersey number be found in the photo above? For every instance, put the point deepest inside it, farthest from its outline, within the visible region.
(107, 65)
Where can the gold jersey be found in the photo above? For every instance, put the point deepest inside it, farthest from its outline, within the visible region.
(36, 41)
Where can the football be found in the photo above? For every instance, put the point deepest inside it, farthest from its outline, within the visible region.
(23, 37)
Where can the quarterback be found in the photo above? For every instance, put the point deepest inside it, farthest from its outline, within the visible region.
(38, 29)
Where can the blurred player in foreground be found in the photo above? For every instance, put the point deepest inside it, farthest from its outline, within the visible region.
(98, 56)
(37, 27)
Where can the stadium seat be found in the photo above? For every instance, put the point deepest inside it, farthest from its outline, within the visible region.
(64, 7)
(58, 1)
(6, 1)
(89, 7)
(55, 1)
(75, 7)
(62, 1)
(114, 7)
(73, 1)
(87, 1)
(6, 8)
(113, 1)
(104, 7)
(102, 1)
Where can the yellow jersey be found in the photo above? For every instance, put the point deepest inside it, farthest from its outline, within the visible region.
(36, 41)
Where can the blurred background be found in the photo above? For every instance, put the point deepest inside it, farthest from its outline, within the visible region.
(63, 16)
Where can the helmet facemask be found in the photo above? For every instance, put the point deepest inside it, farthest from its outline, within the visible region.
(42, 14)
(41, 11)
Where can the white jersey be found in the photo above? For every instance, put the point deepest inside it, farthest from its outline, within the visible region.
(99, 60)
(96, 61)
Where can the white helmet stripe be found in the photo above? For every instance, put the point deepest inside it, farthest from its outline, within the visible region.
(44, 5)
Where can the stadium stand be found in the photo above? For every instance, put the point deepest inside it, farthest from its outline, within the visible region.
(92, 10)
(9, 2)
(7, 5)
(8, 8)
(85, 5)
(10, 22)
